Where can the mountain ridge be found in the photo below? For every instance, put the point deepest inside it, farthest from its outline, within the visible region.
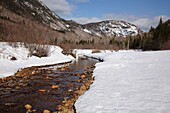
(34, 9)
(37, 10)
(114, 28)
(32, 21)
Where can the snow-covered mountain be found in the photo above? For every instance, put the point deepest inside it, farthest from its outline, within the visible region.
(25, 19)
(36, 10)
(112, 28)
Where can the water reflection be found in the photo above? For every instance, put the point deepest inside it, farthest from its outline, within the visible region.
(79, 66)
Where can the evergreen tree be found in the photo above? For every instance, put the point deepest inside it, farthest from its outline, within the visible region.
(158, 36)
(160, 21)
(151, 29)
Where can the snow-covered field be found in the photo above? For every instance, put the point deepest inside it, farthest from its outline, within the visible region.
(8, 67)
(126, 82)
(129, 82)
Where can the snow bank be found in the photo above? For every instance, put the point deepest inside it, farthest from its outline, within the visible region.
(129, 82)
(88, 52)
(8, 67)
(81, 52)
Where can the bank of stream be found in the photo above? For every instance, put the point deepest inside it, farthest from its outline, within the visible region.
(54, 88)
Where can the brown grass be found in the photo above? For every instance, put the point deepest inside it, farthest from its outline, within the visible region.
(38, 50)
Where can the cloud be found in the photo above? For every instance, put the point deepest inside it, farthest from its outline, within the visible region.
(61, 7)
(84, 20)
(65, 8)
(143, 23)
(82, 1)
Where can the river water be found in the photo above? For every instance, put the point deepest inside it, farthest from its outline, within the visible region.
(16, 92)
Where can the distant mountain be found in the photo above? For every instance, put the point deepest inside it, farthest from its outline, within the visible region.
(32, 21)
(108, 28)
(112, 28)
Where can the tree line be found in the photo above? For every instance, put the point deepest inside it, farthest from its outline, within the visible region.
(155, 39)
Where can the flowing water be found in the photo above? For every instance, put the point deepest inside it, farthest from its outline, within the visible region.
(19, 91)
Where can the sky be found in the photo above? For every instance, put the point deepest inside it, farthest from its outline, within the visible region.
(142, 13)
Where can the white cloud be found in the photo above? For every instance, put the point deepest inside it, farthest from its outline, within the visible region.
(61, 7)
(82, 1)
(143, 23)
(84, 20)
(65, 8)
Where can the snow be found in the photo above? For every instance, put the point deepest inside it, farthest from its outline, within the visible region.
(29, 5)
(48, 18)
(8, 67)
(118, 28)
(87, 31)
(80, 52)
(129, 82)
(33, 14)
(67, 26)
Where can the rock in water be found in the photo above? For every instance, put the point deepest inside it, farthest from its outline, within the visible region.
(28, 107)
(46, 111)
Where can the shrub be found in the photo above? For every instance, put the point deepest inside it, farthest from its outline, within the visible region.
(13, 44)
(96, 51)
(13, 58)
(38, 50)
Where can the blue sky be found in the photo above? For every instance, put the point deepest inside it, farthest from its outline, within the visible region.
(130, 7)
(143, 13)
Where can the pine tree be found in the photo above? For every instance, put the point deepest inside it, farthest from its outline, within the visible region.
(151, 29)
(160, 21)
(158, 36)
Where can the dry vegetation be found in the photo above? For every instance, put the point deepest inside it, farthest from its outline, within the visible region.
(38, 50)
(15, 28)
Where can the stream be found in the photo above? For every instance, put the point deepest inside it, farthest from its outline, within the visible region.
(37, 89)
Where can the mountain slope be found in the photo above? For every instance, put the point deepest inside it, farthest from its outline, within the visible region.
(112, 28)
(32, 21)
(36, 10)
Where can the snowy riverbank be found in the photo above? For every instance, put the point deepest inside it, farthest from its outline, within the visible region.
(129, 82)
(8, 67)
